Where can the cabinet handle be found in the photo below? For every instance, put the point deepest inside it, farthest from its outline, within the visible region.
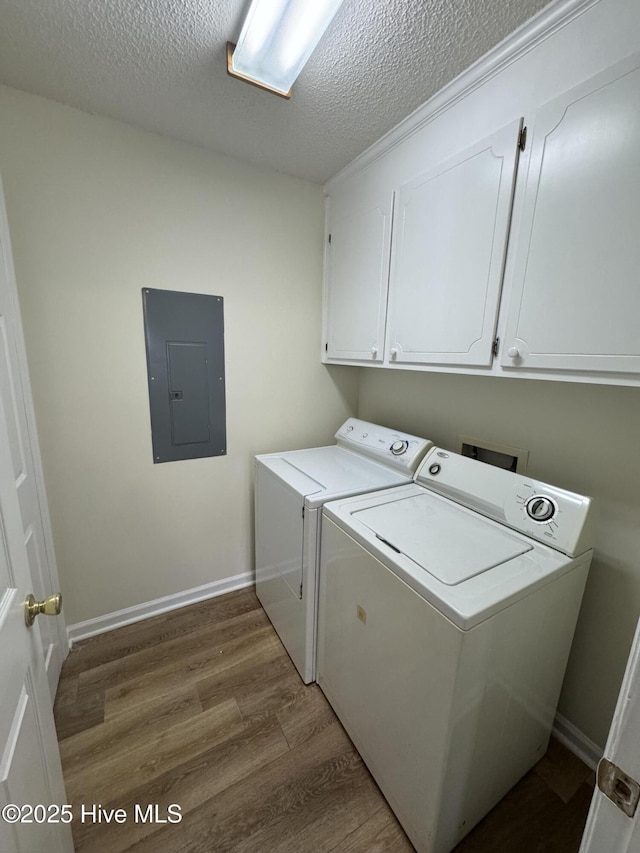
(513, 352)
(393, 352)
(374, 351)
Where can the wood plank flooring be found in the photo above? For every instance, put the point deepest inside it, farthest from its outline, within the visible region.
(202, 708)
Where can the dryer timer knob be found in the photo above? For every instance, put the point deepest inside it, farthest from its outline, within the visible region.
(399, 447)
(540, 508)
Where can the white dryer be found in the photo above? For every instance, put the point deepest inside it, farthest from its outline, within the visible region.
(290, 489)
(446, 614)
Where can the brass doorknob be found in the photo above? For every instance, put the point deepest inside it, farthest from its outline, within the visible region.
(51, 606)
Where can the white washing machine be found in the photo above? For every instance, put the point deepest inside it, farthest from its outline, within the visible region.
(290, 489)
(446, 614)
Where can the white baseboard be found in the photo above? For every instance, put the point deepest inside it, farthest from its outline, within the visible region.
(577, 742)
(119, 618)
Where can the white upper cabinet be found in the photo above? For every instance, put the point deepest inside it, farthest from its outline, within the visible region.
(449, 242)
(575, 296)
(506, 258)
(357, 276)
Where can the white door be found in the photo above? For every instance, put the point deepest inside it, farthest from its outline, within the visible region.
(15, 393)
(31, 785)
(609, 827)
(450, 236)
(575, 301)
(357, 277)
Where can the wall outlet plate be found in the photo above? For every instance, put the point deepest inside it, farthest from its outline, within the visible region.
(501, 455)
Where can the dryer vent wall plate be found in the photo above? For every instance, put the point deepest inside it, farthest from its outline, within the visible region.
(501, 455)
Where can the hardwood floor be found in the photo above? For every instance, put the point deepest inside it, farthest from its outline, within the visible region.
(202, 708)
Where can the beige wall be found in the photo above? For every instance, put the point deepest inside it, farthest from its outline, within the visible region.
(580, 437)
(98, 210)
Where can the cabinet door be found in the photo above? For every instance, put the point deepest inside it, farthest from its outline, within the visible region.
(575, 302)
(357, 280)
(450, 235)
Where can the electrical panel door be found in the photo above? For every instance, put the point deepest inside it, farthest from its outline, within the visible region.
(185, 363)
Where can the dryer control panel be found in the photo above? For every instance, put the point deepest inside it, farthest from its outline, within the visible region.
(551, 515)
(399, 450)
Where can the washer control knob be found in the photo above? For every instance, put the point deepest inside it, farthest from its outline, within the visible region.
(435, 468)
(513, 352)
(540, 508)
(399, 447)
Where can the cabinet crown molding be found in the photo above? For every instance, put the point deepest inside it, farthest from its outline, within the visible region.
(543, 25)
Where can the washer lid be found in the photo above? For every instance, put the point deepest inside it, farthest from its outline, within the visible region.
(451, 543)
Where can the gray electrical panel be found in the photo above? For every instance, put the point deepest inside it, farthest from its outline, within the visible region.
(184, 335)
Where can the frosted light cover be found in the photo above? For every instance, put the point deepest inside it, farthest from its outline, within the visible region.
(278, 37)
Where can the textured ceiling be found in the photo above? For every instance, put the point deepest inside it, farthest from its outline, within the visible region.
(160, 65)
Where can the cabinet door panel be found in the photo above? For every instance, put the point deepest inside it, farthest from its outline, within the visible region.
(357, 281)
(450, 233)
(575, 303)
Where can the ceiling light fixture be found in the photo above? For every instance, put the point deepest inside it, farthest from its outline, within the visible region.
(277, 39)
